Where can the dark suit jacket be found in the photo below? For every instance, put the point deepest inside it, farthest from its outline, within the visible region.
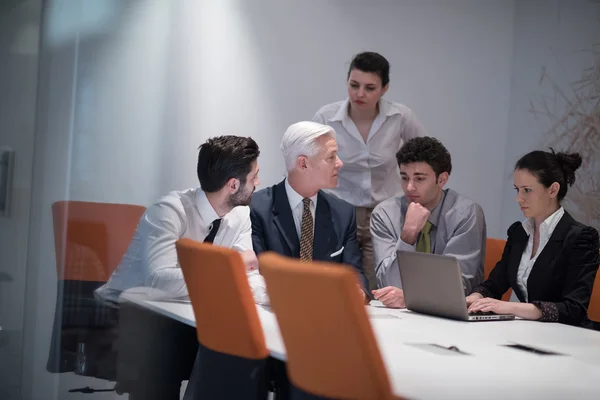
(273, 228)
(561, 280)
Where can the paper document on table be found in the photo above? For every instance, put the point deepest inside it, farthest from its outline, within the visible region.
(380, 312)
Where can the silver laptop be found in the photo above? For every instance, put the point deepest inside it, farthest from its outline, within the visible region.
(433, 285)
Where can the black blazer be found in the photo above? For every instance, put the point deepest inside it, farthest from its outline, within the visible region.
(273, 228)
(561, 280)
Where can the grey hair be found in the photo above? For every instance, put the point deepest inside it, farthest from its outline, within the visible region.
(300, 140)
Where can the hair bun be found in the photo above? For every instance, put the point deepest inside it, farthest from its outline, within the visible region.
(569, 163)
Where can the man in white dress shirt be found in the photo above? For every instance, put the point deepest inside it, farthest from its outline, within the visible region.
(156, 353)
(215, 212)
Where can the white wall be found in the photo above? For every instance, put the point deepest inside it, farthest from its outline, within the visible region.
(554, 36)
(19, 33)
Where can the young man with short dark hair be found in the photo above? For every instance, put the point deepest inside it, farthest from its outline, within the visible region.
(427, 218)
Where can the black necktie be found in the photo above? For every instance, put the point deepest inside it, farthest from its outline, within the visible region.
(213, 231)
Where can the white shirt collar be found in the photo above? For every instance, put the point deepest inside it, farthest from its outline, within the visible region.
(546, 227)
(294, 198)
(386, 109)
(207, 212)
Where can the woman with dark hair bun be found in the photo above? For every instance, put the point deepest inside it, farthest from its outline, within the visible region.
(550, 260)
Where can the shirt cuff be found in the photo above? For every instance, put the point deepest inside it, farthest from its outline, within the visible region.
(258, 287)
(549, 311)
(402, 245)
(482, 290)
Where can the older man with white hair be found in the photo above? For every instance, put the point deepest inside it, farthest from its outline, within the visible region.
(295, 217)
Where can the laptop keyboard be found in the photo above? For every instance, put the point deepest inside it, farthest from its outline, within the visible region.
(482, 313)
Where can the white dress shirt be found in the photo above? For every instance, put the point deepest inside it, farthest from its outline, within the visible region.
(298, 207)
(151, 259)
(370, 172)
(546, 229)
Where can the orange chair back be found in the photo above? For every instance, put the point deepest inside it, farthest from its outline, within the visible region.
(91, 238)
(594, 307)
(331, 349)
(226, 316)
(493, 254)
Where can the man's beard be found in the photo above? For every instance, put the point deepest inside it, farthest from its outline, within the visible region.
(240, 198)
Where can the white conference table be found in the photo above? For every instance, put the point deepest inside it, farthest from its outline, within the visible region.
(418, 370)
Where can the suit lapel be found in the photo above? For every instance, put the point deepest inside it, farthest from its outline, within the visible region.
(518, 247)
(284, 220)
(323, 228)
(552, 249)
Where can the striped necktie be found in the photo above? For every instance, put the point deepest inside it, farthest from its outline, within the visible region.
(306, 233)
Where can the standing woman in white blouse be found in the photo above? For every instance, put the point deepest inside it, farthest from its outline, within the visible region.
(369, 132)
(550, 260)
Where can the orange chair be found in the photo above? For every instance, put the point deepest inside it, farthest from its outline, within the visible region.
(232, 354)
(96, 234)
(493, 254)
(89, 239)
(594, 307)
(331, 349)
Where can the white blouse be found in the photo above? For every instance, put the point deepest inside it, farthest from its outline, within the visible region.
(370, 172)
(527, 262)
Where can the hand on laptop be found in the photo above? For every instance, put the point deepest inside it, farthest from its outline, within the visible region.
(390, 296)
(250, 260)
(472, 298)
(488, 304)
(416, 218)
